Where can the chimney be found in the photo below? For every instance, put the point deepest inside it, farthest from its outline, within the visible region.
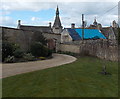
(50, 24)
(72, 25)
(19, 23)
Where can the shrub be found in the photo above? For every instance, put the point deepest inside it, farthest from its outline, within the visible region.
(18, 53)
(38, 50)
(10, 59)
(15, 46)
(7, 50)
(50, 52)
(28, 57)
(38, 37)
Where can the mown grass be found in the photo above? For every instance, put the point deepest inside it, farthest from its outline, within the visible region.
(78, 79)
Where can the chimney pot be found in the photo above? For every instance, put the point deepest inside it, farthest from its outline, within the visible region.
(19, 23)
(73, 25)
(49, 24)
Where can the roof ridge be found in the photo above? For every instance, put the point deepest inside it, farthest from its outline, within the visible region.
(33, 26)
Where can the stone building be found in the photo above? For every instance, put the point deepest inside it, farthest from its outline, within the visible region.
(114, 24)
(109, 33)
(77, 34)
(51, 33)
(23, 34)
(67, 39)
(57, 27)
(42, 29)
(96, 25)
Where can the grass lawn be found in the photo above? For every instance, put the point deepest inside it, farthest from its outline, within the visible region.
(78, 79)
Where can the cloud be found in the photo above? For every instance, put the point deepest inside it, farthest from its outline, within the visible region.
(35, 19)
(61, 0)
(29, 6)
(35, 5)
(70, 12)
(7, 21)
(4, 13)
(105, 21)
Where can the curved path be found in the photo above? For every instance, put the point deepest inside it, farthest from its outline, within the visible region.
(19, 68)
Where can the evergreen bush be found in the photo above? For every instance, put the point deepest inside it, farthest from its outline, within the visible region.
(7, 50)
(39, 50)
(18, 53)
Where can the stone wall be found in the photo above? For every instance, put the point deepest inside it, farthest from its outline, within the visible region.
(0, 45)
(70, 48)
(24, 37)
(103, 49)
(21, 37)
(100, 48)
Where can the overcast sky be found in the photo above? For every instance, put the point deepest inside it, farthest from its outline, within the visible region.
(35, 12)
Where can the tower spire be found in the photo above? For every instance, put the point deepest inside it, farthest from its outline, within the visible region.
(57, 11)
(57, 27)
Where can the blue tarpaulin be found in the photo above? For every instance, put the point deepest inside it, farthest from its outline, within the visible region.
(90, 34)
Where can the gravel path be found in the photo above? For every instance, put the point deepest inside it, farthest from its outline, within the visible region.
(19, 68)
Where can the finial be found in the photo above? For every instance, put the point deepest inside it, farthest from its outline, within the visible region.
(95, 19)
(57, 10)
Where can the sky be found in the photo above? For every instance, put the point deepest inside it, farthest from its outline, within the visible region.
(41, 12)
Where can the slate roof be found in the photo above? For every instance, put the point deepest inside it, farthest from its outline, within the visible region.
(43, 29)
(76, 34)
(107, 31)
